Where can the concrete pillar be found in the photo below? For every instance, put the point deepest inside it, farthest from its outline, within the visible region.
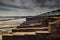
(49, 28)
(0, 36)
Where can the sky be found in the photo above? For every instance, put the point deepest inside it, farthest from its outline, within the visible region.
(27, 7)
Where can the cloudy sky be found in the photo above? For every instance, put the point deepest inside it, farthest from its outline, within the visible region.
(27, 7)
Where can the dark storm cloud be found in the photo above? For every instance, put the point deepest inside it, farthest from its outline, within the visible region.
(4, 9)
(27, 7)
(28, 4)
(49, 3)
(19, 4)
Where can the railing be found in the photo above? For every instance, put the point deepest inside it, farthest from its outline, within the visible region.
(54, 22)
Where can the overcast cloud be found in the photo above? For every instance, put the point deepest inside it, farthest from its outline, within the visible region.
(27, 7)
